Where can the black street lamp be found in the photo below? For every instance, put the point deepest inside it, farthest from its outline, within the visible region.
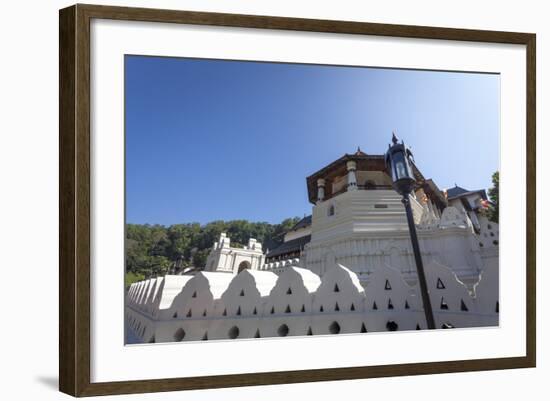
(398, 162)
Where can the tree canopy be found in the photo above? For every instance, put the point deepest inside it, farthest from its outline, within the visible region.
(493, 196)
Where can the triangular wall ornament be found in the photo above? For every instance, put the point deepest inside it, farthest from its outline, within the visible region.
(407, 305)
(272, 310)
(175, 316)
(205, 337)
(336, 288)
(289, 291)
(194, 295)
(224, 312)
(374, 306)
(363, 328)
(287, 310)
(189, 314)
(443, 305)
(238, 311)
(303, 309)
(321, 309)
(204, 313)
(254, 312)
(440, 285)
(309, 332)
(242, 293)
(257, 335)
(336, 307)
(390, 304)
(387, 286)
(352, 307)
(463, 306)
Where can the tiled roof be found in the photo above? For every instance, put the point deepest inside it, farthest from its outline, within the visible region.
(290, 246)
(455, 191)
(305, 222)
(459, 191)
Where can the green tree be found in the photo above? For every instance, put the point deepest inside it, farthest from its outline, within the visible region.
(152, 250)
(493, 195)
(199, 258)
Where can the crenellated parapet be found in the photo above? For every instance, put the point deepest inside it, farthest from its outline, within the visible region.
(298, 302)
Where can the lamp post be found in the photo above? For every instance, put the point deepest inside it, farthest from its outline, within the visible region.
(398, 162)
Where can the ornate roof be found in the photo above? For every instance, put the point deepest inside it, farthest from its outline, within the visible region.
(338, 168)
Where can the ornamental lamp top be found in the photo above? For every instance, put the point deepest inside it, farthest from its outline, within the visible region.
(399, 165)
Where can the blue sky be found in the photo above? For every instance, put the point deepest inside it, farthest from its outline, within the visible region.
(220, 140)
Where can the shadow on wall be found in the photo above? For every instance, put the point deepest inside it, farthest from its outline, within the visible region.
(297, 302)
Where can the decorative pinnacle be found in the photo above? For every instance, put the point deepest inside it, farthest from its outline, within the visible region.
(394, 138)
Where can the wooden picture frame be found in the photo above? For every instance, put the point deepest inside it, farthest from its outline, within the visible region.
(74, 204)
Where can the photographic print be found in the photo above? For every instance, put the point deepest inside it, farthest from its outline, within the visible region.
(269, 199)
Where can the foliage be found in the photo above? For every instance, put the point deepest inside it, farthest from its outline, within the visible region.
(131, 278)
(493, 195)
(153, 250)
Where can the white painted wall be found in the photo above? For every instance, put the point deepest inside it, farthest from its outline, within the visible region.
(297, 302)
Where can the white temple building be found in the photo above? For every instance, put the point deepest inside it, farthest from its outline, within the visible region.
(347, 268)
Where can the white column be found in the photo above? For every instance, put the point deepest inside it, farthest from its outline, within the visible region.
(352, 179)
(320, 190)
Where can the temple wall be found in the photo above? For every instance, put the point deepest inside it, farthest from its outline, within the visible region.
(364, 236)
(255, 304)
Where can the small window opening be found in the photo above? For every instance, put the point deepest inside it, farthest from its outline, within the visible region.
(392, 326)
(283, 330)
(179, 334)
(233, 332)
(334, 328)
